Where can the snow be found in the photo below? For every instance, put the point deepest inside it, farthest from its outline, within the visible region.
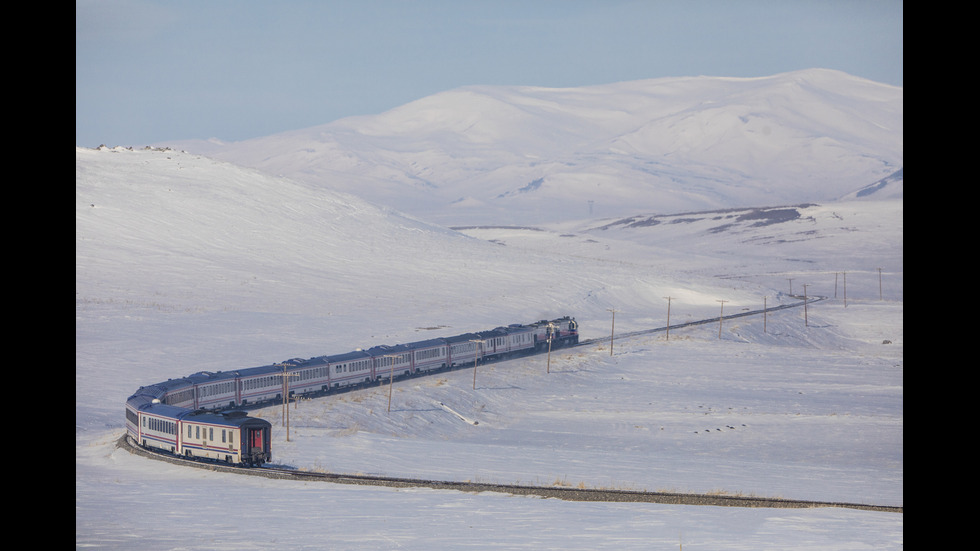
(186, 263)
(664, 145)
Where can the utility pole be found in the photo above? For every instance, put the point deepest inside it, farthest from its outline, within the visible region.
(668, 317)
(612, 335)
(765, 314)
(722, 316)
(845, 289)
(879, 283)
(551, 336)
(790, 286)
(476, 356)
(806, 319)
(391, 376)
(285, 395)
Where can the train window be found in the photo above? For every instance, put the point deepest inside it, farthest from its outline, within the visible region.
(189, 429)
(231, 437)
(210, 434)
(197, 432)
(223, 439)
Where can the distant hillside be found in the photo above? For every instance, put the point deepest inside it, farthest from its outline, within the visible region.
(513, 155)
(889, 187)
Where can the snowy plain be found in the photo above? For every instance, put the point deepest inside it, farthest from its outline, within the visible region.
(184, 264)
(188, 263)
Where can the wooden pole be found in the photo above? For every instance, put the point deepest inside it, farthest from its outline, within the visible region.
(668, 317)
(476, 356)
(845, 289)
(391, 377)
(721, 317)
(551, 336)
(612, 336)
(806, 319)
(285, 405)
(879, 284)
(285, 396)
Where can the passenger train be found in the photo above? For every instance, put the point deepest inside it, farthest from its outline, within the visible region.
(196, 416)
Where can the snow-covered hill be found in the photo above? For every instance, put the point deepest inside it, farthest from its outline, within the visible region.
(192, 232)
(528, 155)
(185, 263)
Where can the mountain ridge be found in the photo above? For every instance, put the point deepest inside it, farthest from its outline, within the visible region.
(518, 154)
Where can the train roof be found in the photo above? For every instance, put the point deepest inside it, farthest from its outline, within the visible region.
(495, 332)
(347, 356)
(151, 406)
(208, 376)
(259, 371)
(161, 389)
(428, 343)
(155, 407)
(234, 418)
(464, 337)
(385, 349)
(299, 362)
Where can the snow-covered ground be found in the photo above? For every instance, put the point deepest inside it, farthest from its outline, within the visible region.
(186, 264)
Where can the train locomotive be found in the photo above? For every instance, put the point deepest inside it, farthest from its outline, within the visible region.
(200, 416)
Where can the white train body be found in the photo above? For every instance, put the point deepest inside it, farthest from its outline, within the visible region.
(194, 417)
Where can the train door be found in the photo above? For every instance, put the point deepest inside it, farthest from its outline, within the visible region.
(255, 440)
(255, 444)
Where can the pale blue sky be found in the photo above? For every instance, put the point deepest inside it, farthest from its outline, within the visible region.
(149, 71)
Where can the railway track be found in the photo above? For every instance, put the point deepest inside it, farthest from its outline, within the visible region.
(555, 492)
(807, 300)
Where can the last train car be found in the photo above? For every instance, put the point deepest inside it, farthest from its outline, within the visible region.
(231, 437)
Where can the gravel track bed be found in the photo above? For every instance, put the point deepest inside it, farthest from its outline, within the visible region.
(556, 492)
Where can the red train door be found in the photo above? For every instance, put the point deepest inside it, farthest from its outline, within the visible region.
(255, 439)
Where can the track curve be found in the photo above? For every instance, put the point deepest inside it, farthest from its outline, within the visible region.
(556, 492)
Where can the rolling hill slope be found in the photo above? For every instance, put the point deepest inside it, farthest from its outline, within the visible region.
(526, 155)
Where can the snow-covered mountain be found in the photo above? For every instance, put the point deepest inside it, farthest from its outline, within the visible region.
(521, 155)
